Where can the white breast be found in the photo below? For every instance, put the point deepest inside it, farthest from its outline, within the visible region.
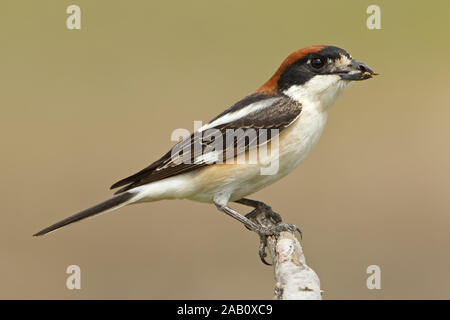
(295, 143)
(298, 140)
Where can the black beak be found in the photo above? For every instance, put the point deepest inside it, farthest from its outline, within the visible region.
(357, 71)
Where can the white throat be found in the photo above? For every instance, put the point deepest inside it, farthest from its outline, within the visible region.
(320, 92)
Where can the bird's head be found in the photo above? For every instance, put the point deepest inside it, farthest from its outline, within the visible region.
(316, 74)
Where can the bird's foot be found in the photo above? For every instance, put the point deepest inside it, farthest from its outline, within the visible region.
(276, 229)
(273, 231)
(268, 213)
(269, 222)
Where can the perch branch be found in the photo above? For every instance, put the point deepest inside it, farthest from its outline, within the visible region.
(294, 279)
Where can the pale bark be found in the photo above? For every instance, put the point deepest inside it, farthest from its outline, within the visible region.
(294, 279)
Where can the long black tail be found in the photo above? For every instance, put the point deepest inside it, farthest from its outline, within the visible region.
(117, 201)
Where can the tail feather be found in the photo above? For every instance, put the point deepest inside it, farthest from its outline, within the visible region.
(113, 203)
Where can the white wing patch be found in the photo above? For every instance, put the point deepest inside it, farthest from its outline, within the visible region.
(232, 116)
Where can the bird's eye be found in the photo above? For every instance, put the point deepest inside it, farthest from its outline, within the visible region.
(317, 63)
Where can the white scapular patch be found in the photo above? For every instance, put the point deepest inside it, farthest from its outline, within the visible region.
(209, 157)
(232, 116)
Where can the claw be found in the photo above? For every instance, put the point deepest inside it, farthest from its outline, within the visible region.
(262, 251)
(265, 232)
(294, 228)
(299, 232)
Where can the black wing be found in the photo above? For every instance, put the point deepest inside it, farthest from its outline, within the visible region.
(270, 112)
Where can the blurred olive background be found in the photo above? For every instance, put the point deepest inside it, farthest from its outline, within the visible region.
(81, 109)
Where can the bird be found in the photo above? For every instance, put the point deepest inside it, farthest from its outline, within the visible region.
(287, 113)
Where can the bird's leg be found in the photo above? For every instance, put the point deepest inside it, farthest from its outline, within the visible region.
(251, 223)
(263, 232)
